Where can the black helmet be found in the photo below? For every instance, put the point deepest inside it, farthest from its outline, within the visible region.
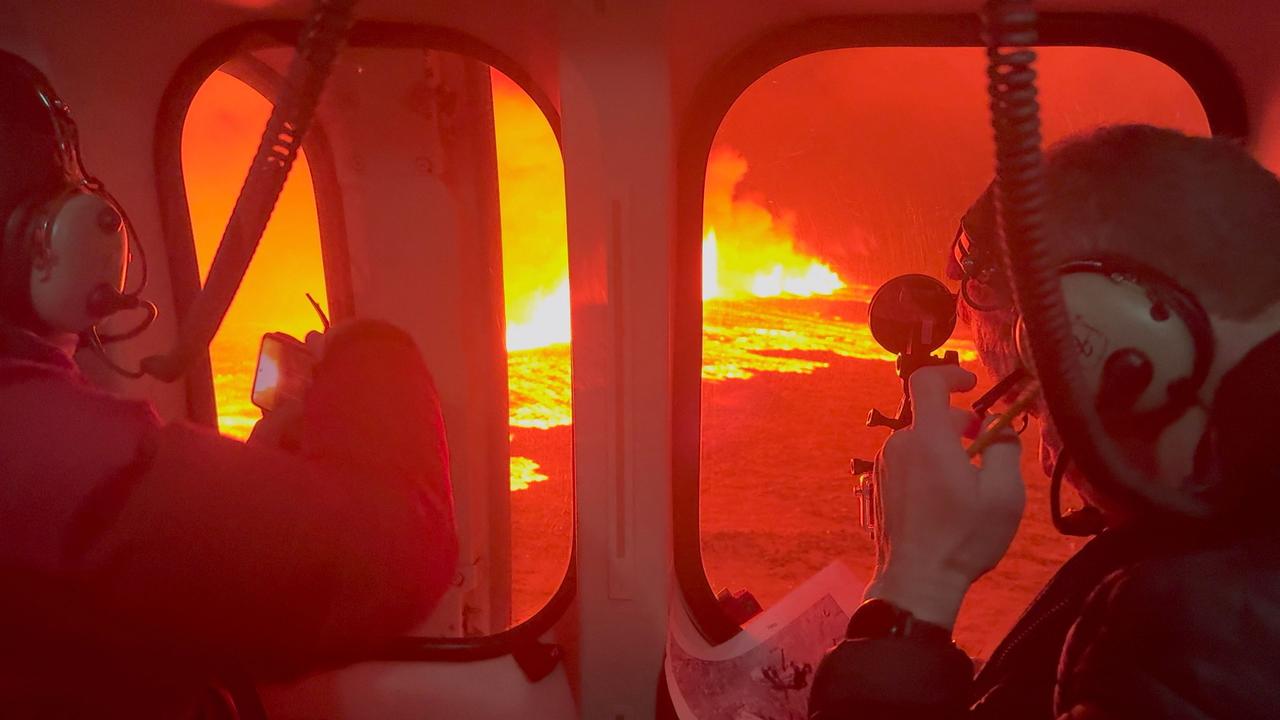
(30, 166)
(28, 148)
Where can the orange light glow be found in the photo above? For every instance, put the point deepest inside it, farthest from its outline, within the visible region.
(761, 316)
(219, 139)
(535, 257)
(752, 269)
(747, 250)
(546, 319)
(525, 472)
(535, 270)
(222, 128)
(752, 254)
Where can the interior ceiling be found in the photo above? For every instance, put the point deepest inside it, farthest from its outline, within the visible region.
(546, 38)
(697, 31)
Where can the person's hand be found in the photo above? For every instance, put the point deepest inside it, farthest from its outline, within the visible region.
(281, 428)
(316, 341)
(943, 521)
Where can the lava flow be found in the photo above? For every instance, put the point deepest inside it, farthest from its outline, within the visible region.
(768, 305)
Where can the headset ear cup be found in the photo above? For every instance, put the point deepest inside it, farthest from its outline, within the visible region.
(79, 261)
(1145, 345)
(65, 248)
(1167, 295)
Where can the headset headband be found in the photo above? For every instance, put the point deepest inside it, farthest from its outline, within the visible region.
(66, 136)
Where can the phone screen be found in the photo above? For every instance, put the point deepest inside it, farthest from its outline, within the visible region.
(284, 371)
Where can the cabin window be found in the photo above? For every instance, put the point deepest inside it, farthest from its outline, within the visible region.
(515, 534)
(829, 175)
(221, 134)
(535, 253)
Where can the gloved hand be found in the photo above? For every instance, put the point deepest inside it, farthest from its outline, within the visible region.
(944, 522)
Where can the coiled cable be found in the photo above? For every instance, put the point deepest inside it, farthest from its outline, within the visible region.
(1021, 198)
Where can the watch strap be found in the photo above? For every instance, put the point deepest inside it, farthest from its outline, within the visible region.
(878, 618)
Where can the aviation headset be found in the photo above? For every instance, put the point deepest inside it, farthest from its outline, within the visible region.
(1146, 345)
(66, 249)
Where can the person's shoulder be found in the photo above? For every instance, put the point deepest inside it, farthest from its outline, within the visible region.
(44, 408)
(1194, 628)
(40, 386)
(1199, 590)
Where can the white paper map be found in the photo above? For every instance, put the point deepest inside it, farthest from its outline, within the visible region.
(763, 673)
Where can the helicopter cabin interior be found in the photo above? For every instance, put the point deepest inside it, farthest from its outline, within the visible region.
(635, 242)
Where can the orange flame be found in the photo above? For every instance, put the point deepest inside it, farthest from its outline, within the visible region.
(750, 253)
(747, 251)
(546, 320)
(753, 254)
(535, 256)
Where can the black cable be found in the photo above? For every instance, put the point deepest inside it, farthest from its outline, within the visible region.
(1021, 199)
(318, 47)
(1078, 523)
(1000, 390)
(95, 342)
(141, 327)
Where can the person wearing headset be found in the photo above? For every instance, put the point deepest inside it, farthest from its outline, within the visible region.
(140, 559)
(1170, 267)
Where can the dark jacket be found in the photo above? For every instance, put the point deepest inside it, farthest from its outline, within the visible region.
(1136, 625)
(139, 559)
(1133, 626)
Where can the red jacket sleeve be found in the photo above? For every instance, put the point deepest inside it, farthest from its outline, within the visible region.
(231, 553)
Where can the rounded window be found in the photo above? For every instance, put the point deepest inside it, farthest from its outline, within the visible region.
(419, 163)
(829, 175)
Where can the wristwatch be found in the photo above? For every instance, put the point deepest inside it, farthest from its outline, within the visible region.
(877, 618)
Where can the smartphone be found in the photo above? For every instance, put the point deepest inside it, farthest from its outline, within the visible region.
(284, 371)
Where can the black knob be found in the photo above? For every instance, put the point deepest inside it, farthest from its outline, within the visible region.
(1126, 375)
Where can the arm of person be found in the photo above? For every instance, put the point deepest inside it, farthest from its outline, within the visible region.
(943, 523)
(234, 553)
(890, 678)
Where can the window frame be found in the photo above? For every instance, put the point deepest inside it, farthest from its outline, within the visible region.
(1200, 65)
(521, 640)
